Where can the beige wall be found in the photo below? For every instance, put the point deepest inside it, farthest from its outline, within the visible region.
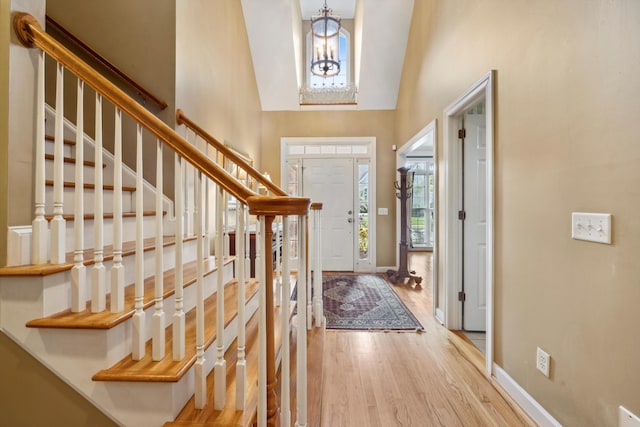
(137, 37)
(32, 395)
(215, 82)
(379, 124)
(566, 97)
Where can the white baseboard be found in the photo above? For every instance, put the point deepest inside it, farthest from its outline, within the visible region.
(440, 316)
(524, 399)
(19, 245)
(385, 269)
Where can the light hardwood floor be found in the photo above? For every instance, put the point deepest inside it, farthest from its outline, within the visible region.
(382, 379)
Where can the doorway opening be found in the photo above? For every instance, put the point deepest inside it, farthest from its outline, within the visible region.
(468, 212)
(420, 154)
(339, 173)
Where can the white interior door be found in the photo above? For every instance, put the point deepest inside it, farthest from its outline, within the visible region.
(330, 181)
(475, 222)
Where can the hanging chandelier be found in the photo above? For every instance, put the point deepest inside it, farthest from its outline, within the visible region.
(325, 47)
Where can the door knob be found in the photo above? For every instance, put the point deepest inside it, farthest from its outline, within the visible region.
(350, 212)
(350, 220)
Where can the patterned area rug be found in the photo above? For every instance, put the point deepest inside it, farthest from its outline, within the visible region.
(365, 302)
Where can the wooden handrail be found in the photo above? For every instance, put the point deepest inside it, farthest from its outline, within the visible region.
(31, 34)
(182, 119)
(140, 90)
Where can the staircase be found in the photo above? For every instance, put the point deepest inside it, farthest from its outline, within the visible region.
(124, 298)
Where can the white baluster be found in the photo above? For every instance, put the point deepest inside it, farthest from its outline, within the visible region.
(39, 226)
(318, 289)
(301, 344)
(262, 331)
(117, 270)
(158, 320)
(178, 316)
(138, 347)
(200, 374)
(58, 226)
(220, 373)
(188, 194)
(276, 236)
(206, 206)
(305, 251)
(241, 364)
(79, 271)
(98, 273)
(258, 259)
(285, 369)
(247, 246)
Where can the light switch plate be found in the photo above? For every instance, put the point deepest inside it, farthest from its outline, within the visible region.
(383, 211)
(593, 227)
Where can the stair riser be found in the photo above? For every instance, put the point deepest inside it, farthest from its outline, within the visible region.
(67, 150)
(69, 172)
(128, 200)
(128, 230)
(51, 294)
(189, 254)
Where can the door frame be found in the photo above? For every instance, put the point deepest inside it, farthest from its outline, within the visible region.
(452, 255)
(360, 148)
(430, 134)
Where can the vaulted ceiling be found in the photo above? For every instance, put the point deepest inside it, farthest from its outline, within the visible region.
(277, 36)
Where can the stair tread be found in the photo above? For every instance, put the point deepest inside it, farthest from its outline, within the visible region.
(70, 217)
(73, 160)
(106, 320)
(128, 249)
(66, 141)
(88, 186)
(168, 370)
(208, 417)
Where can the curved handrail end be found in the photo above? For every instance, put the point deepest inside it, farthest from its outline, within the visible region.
(180, 117)
(316, 206)
(22, 25)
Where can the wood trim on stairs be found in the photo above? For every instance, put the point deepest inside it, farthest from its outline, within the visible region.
(168, 370)
(105, 319)
(72, 160)
(88, 186)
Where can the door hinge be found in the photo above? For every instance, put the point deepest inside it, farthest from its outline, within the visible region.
(462, 133)
(462, 215)
(462, 296)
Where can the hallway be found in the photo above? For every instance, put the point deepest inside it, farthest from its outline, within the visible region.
(408, 379)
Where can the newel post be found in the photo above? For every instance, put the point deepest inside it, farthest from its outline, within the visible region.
(267, 208)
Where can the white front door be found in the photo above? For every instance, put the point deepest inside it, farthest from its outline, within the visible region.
(330, 181)
(475, 222)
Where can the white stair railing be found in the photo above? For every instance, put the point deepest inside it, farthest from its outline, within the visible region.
(301, 363)
(205, 173)
(285, 379)
(58, 226)
(39, 225)
(179, 315)
(117, 270)
(98, 273)
(158, 318)
(79, 271)
(318, 312)
(138, 335)
(241, 363)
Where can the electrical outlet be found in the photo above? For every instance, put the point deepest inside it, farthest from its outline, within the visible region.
(626, 418)
(543, 360)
